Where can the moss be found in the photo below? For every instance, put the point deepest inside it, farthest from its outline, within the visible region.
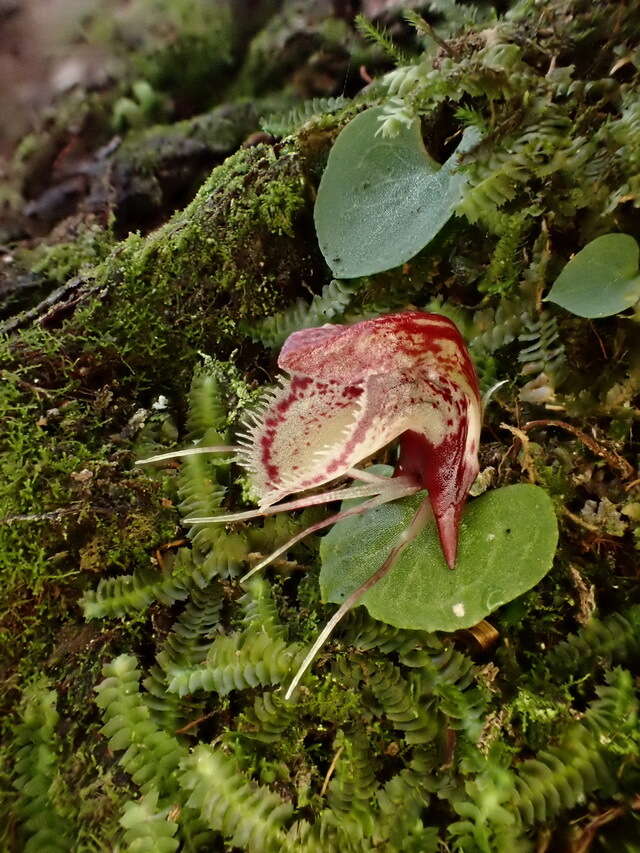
(235, 253)
(66, 504)
(61, 261)
(87, 791)
(536, 716)
(219, 131)
(507, 260)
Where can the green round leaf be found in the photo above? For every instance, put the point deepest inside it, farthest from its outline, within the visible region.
(601, 280)
(382, 200)
(507, 541)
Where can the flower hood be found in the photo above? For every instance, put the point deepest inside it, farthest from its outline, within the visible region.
(353, 389)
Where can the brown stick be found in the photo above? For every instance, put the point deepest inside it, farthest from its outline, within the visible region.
(330, 771)
(186, 728)
(588, 834)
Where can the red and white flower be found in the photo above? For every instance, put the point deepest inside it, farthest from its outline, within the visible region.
(352, 390)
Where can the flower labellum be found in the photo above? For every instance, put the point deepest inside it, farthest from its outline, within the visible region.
(352, 390)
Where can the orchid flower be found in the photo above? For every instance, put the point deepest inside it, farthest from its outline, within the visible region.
(351, 391)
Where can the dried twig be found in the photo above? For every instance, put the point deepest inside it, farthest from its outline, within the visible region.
(41, 516)
(586, 596)
(331, 771)
(587, 836)
(580, 521)
(187, 728)
(526, 463)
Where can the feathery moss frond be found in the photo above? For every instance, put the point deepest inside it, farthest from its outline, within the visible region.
(499, 328)
(214, 551)
(352, 788)
(128, 594)
(365, 632)
(329, 305)
(495, 180)
(397, 700)
(625, 131)
(379, 36)
(445, 665)
(237, 662)
(502, 804)
(507, 260)
(207, 409)
(402, 801)
(615, 711)
(543, 350)
(36, 768)
(185, 646)
(260, 611)
(269, 717)
(614, 640)
(151, 756)
(282, 124)
(148, 829)
(250, 816)
(448, 677)
(259, 654)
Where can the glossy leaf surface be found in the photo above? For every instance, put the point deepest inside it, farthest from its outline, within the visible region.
(601, 280)
(507, 541)
(380, 201)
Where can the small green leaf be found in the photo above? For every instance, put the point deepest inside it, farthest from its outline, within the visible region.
(601, 280)
(507, 541)
(382, 200)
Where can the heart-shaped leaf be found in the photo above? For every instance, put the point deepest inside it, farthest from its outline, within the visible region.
(507, 541)
(382, 200)
(601, 280)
